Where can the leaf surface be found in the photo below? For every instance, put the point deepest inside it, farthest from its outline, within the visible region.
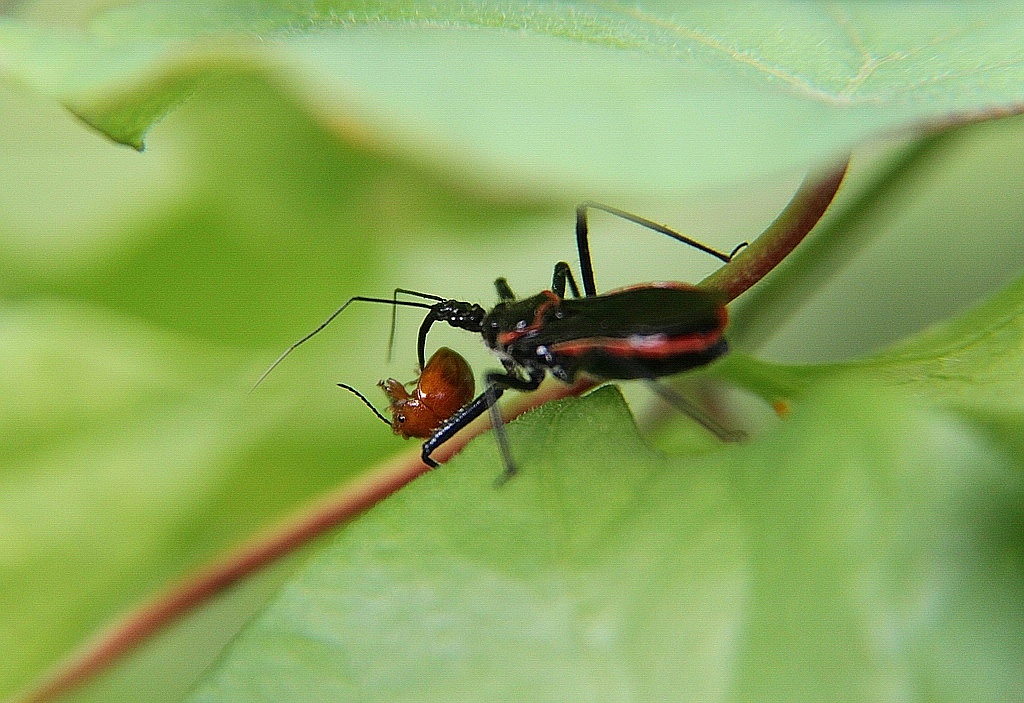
(675, 95)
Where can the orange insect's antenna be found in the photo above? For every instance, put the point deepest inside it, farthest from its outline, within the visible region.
(443, 388)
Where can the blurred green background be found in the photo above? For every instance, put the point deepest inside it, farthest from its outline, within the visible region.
(142, 294)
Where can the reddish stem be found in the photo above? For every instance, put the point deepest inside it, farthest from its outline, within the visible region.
(799, 217)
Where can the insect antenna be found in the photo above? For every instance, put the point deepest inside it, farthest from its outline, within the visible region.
(328, 321)
(366, 402)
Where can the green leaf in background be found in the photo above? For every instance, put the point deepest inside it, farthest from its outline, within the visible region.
(670, 94)
(333, 149)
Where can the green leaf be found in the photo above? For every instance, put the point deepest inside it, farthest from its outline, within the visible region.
(970, 361)
(808, 565)
(651, 96)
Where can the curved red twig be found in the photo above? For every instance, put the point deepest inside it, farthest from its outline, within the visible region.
(794, 223)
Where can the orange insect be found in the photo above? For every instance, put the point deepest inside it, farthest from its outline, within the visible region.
(445, 385)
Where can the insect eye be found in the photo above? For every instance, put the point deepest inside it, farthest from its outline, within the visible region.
(400, 419)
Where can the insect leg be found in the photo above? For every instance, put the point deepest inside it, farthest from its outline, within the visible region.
(583, 245)
(394, 316)
(583, 248)
(498, 423)
(561, 276)
(496, 384)
(450, 427)
(504, 290)
(694, 411)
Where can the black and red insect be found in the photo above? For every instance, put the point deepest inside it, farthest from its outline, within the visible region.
(644, 331)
